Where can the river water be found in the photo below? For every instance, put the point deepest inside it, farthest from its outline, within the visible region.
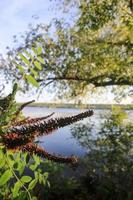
(62, 141)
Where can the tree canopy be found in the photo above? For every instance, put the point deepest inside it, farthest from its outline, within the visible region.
(96, 51)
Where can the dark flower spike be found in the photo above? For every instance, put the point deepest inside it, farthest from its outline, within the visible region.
(17, 113)
(46, 127)
(21, 137)
(34, 149)
(23, 106)
(14, 141)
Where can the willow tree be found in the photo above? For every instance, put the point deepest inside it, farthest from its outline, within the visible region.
(96, 51)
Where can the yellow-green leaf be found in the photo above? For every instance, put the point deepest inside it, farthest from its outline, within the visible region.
(39, 50)
(21, 69)
(41, 60)
(5, 177)
(24, 59)
(37, 65)
(32, 80)
(16, 189)
(32, 184)
(26, 179)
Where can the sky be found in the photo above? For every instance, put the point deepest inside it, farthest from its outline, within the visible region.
(15, 15)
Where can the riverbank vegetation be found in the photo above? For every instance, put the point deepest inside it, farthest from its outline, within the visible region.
(80, 106)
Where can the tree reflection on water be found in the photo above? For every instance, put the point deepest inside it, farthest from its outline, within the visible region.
(106, 171)
(109, 158)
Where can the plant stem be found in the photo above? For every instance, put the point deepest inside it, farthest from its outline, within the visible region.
(17, 178)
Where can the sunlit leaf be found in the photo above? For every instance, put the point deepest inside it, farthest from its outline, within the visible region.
(21, 69)
(24, 59)
(39, 50)
(32, 80)
(32, 184)
(5, 177)
(41, 60)
(37, 65)
(16, 189)
(26, 179)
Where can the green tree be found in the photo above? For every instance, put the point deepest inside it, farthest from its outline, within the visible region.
(96, 51)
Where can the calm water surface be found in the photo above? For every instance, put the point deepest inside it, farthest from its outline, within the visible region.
(61, 141)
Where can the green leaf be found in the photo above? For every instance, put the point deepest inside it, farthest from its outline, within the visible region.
(32, 184)
(24, 59)
(1, 155)
(16, 189)
(40, 178)
(36, 159)
(22, 195)
(28, 54)
(34, 72)
(33, 166)
(20, 168)
(5, 177)
(39, 50)
(46, 174)
(48, 184)
(2, 163)
(34, 50)
(36, 175)
(37, 65)
(21, 69)
(34, 198)
(31, 80)
(26, 179)
(41, 60)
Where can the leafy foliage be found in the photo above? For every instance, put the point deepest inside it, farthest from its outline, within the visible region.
(96, 51)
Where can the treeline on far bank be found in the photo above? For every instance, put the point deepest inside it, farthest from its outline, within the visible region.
(83, 106)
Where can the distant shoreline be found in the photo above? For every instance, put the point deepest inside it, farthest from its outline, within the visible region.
(83, 106)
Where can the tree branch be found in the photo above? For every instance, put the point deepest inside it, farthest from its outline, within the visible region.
(131, 5)
(95, 80)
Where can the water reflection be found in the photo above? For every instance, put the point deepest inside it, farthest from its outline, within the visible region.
(105, 170)
(109, 158)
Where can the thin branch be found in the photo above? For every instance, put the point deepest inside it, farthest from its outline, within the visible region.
(17, 178)
(131, 5)
(94, 81)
